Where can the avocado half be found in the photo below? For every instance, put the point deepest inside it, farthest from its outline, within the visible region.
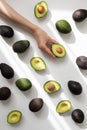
(41, 9)
(38, 63)
(14, 117)
(63, 106)
(52, 86)
(58, 50)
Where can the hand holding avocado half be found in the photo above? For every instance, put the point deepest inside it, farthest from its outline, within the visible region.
(44, 41)
(41, 36)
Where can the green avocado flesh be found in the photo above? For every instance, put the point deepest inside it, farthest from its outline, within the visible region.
(38, 63)
(41, 9)
(58, 50)
(63, 106)
(51, 86)
(14, 117)
(23, 84)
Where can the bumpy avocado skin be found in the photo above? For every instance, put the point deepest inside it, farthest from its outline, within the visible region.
(45, 11)
(21, 46)
(63, 26)
(23, 84)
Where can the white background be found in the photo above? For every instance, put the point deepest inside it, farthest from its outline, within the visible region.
(61, 70)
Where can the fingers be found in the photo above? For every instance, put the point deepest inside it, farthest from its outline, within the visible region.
(50, 42)
(48, 51)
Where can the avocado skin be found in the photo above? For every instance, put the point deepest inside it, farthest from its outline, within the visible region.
(78, 115)
(21, 46)
(63, 26)
(6, 70)
(79, 15)
(5, 93)
(36, 104)
(23, 84)
(75, 87)
(37, 14)
(81, 61)
(6, 31)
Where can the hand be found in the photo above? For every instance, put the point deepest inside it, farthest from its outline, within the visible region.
(44, 41)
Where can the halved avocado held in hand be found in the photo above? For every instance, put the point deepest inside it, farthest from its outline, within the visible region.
(52, 86)
(14, 117)
(38, 63)
(41, 9)
(63, 106)
(23, 84)
(58, 50)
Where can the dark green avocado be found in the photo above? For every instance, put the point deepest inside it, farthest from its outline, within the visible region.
(21, 46)
(23, 84)
(52, 86)
(58, 50)
(38, 63)
(63, 26)
(14, 117)
(63, 106)
(41, 9)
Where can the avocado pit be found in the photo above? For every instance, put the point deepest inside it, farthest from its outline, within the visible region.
(51, 87)
(59, 50)
(41, 9)
(37, 61)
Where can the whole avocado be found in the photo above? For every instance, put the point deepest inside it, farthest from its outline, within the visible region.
(63, 26)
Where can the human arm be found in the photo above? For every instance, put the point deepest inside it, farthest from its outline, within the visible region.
(42, 38)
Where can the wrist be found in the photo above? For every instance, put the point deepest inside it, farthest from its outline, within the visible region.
(35, 31)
